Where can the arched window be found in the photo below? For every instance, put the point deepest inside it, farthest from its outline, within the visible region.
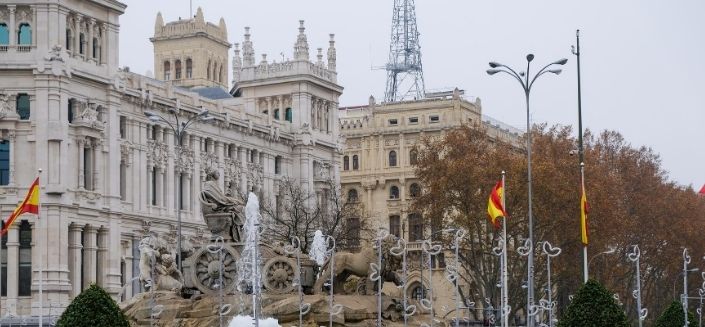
(355, 163)
(208, 70)
(22, 105)
(24, 34)
(96, 48)
(69, 38)
(167, 70)
(215, 69)
(395, 225)
(276, 114)
(417, 292)
(392, 158)
(394, 193)
(288, 115)
(189, 68)
(415, 227)
(413, 156)
(346, 164)
(352, 196)
(4, 162)
(414, 190)
(81, 43)
(4, 34)
(220, 75)
(177, 69)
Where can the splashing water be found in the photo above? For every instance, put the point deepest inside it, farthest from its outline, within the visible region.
(246, 321)
(245, 266)
(319, 248)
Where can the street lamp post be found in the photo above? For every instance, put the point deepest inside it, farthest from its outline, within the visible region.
(527, 82)
(179, 128)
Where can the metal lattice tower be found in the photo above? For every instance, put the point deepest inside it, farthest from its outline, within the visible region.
(404, 70)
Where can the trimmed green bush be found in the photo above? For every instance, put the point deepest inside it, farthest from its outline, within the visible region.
(673, 316)
(593, 306)
(93, 308)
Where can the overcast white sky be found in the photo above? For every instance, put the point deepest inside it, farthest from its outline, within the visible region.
(643, 61)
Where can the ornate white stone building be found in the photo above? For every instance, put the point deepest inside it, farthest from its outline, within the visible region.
(109, 173)
(378, 171)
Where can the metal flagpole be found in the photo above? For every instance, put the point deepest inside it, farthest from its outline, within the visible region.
(41, 279)
(582, 191)
(505, 292)
(581, 154)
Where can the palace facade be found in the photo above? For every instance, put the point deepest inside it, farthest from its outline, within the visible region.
(378, 171)
(109, 173)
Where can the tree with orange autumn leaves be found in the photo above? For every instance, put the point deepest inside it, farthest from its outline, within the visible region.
(631, 199)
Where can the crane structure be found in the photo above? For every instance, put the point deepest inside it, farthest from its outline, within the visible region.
(404, 71)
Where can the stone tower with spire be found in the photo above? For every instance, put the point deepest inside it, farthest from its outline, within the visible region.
(191, 52)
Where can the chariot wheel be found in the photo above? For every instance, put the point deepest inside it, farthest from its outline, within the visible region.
(278, 275)
(207, 270)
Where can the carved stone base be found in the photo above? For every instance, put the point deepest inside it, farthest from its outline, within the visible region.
(201, 311)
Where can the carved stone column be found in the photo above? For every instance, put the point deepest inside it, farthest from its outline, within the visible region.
(103, 58)
(12, 137)
(90, 248)
(97, 166)
(186, 190)
(13, 244)
(91, 27)
(77, 37)
(102, 257)
(13, 32)
(81, 161)
(243, 169)
(75, 247)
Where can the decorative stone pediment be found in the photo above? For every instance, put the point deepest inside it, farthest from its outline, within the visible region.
(157, 154)
(7, 108)
(209, 160)
(86, 114)
(184, 159)
(54, 63)
(255, 172)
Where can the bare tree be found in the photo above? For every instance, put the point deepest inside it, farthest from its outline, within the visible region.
(298, 211)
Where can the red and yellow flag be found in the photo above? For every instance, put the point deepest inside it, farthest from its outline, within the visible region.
(29, 205)
(495, 208)
(584, 210)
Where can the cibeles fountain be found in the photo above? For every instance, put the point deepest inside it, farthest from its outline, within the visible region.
(234, 278)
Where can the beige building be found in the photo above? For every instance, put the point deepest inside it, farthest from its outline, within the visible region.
(378, 170)
(110, 174)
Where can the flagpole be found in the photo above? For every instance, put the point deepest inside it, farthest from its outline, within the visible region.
(581, 154)
(41, 283)
(505, 286)
(585, 253)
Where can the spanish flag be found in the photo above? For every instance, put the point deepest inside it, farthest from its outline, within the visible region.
(29, 205)
(495, 207)
(584, 209)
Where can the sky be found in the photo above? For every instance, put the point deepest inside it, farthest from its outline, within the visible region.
(642, 61)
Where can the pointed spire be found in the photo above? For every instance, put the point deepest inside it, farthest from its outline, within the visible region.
(223, 28)
(331, 53)
(237, 64)
(199, 16)
(320, 57)
(301, 45)
(158, 24)
(248, 51)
